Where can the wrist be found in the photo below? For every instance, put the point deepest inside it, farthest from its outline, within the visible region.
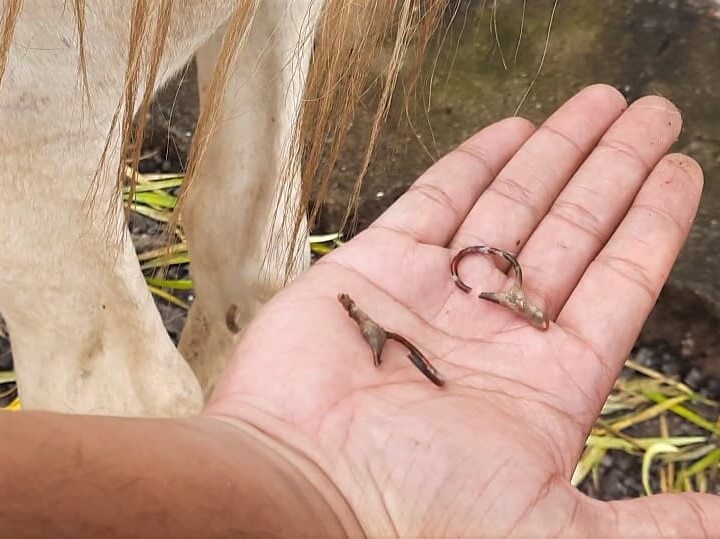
(301, 492)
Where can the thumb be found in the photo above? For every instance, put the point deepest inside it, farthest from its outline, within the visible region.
(660, 515)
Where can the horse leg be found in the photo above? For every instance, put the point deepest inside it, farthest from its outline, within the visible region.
(85, 333)
(230, 212)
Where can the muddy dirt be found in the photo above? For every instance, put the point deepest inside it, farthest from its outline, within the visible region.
(667, 47)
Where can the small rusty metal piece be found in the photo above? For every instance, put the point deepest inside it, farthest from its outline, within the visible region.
(515, 298)
(376, 336)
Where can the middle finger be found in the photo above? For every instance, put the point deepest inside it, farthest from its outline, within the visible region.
(517, 200)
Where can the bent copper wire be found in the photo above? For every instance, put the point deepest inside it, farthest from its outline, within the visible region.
(376, 336)
(515, 298)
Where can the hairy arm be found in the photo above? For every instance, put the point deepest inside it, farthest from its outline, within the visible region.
(84, 476)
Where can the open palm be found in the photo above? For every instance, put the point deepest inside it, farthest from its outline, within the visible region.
(597, 213)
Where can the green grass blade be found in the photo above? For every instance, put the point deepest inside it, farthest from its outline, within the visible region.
(684, 412)
(163, 251)
(653, 450)
(162, 216)
(691, 454)
(154, 186)
(173, 260)
(175, 284)
(611, 442)
(711, 459)
(145, 177)
(14, 405)
(324, 238)
(649, 413)
(590, 460)
(320, 249)
(167, 296)
(156, 199)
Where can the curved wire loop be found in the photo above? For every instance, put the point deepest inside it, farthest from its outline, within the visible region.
(514, 299)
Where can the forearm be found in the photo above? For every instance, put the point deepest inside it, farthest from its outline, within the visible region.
(83, 476)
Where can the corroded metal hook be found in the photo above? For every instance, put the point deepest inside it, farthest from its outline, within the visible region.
(515, 298)
(376, 336)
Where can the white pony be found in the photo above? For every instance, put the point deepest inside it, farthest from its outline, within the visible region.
(86, 335)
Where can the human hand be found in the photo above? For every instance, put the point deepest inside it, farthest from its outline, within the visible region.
(597, 213)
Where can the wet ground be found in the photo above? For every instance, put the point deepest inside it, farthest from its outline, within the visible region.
(666, 47)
